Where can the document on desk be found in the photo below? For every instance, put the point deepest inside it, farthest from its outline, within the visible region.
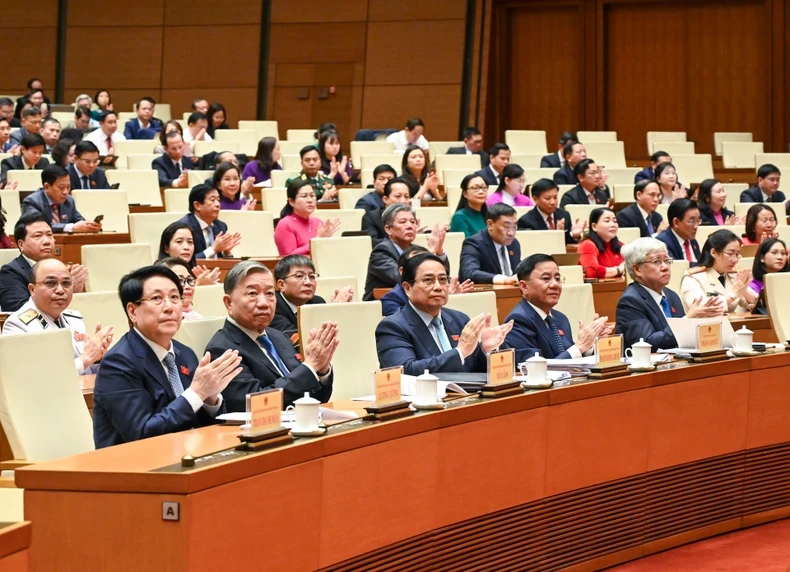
(287, 417)
(408, 386)
(685, 332)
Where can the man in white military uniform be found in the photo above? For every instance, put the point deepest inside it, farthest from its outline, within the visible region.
(51, 289)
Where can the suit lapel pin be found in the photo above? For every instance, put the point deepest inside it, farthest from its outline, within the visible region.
(455, 337)
(562, 333)
(184, 370)
(511, 252)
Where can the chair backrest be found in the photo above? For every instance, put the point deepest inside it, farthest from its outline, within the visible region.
(741, 209)
(342, 256)
(176, 200)
(781, 160)
(581, 212)
(541, 241)
(147, 227)
(627, 234)
(532, 175)
(350, 219)
(142, 187)
(453, 177)
(674, 147)
(662, 210)
(26, 180)
(576, 302)
(279, 177)
(205, 147)
(470, 163)
(562, 190)
(114, 205)
(359, 148)
(777, 285)
(196, 334)
(42, 409)
(301, 135)
(623, 193)
(739, 154)
(526, 161)
(453, 241)
(207, 301)
(257, 232)
(526, 142)
(607, 153)
(199, 176)
(663, 136)
(679, 267)
(618, 176)
(348, 197)
(368, 161)
(273, 199)
(108, 263)
(596, 136)
(475, 303)
(703, 232)
(7, 255)
(291, 162)
(12, 208)
(12, 505)
(263, 128)
(430, 216)
(134, 146)
(572, 274)
(720, 137)
(246, 139)
(693, 168)
(141, 162)
(356, 358)
(103, 308)
(326, 287)
(292, 147)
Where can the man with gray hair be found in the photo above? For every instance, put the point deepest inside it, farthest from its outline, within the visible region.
(400, 224)
(267, 356)
(646, 304)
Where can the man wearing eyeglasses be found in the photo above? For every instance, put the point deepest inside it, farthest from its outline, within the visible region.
(84, 173)
(55, 202)
(644, 307)
(148, 383)
(51, 289)
(684, 220)
(537, 326)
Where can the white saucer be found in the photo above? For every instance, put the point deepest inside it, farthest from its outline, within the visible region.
(545, 385)
(429, 406)
(636, 369)
(746, 353)
(314, 433)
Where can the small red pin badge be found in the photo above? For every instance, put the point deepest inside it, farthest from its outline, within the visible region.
(455, 338)
(511, 252)
(184, 370)
(561, 332)
(673, 309)
(298, 356)
(79, 337)
(93, 183)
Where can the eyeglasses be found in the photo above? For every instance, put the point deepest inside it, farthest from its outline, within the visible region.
(157, 300)
(310, 196)
(477, 188)
(51, 284)
(549, 279)
(300, 277)
(188, 280)
(659, 261)
(693, 221)
(732, 253)
(89, 161)
(428, 281)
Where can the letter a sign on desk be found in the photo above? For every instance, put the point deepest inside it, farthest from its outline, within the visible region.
(386, 385)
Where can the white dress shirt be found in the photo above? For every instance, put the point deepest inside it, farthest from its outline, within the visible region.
(400, 141)
(99, 138)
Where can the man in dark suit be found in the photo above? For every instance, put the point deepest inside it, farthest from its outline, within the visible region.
(172, 166)
(212, 239)
(537, 326)
(573, 153)
(557, 160)
(268, 360)
(149, 384)
(767, 188)
(491, 256)
(396, 191)
(146, 126)
(55, 202)
(31, 149)
(373, 200)
(473, 143)
(499, 158)
(588, 190)
(644, 307)
(84, 173)
(684, 220)
(7, 111)
(546, 215)
(400, 224)
(30, 125)
(424, 335)
(649, 173)
(642, 214)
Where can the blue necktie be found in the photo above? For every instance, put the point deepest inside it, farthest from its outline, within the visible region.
(650, 229)
(441, 335)
(269, 347)
(665, 307)
(556, 339)
(172, 374)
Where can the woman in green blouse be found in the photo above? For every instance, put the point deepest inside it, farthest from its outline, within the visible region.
(470, 216)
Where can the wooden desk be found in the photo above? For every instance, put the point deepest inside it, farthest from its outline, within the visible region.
(606, 294)
(225, 264)
(746, 176)
(14, 547)
(142, 209)
(760, 325)
(68, 247)
(590, 474)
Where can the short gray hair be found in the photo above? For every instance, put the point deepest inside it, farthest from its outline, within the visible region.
(636, 252)
(389, 214)
(240, 272)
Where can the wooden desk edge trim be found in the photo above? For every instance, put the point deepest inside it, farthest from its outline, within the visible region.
(16, 537)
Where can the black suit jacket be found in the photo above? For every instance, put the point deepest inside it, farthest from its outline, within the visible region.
(96, 181)
(750, 195)
(533, 220)
(382, 268)
(373, 225)
(639, 317)
(550, 161)
(675, 249)
(14, 278)
(258, 373)
(566, 176)
(370, 202)
(37, 202)
(479, 259)
(707, 218)
(531, 334)
(631, 217)
(167, 171)
(197, 232)
(578, 196)
(488, 176)
(15, 164)
(462, 151)
(284, 319)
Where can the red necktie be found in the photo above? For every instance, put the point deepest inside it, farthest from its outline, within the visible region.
(550, 221)
(687, 246)
(109, 145)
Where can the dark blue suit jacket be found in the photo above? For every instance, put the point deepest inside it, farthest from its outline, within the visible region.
(370, 202)
(197, 232)
(37, 202)
(96, 181)
(479, 259)
(133, 398)
(530, 334)
(566, 176)
(15, 164)
(631, 217)
(533, 220)
(167, 171)
(755, 195)
(393, 300)
(550, 161)
(645, 174)
(675, 249)
(14, 278)
(484, 160)
(404, 339)
(488, 176)
(578, 196)
(639, 317)
(132, 129)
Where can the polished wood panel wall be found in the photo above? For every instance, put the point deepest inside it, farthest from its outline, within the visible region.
(28, 36)
(634, 66)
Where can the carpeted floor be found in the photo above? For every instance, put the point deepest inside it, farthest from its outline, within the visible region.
(763, 548)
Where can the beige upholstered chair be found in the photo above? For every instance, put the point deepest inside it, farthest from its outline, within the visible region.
(607, 153)
(246, 139)
(596, 136)
(674, 147)
(263, 128)
(739, 154)
(453, 241)
(359, 148)
(12, 208)
(577, 303)
(205, 147)
(546, 241)
(176, 200)
(108, 263)
(326, 287)
(103, 308)
(619, 176)
(142, 187)
(196, 334)
(147, 227)
(279, 177)
(436, 148)
(526, 142)
(207, 301)
(114, 205)
(778, 303)
(141, 162)
(256, 229)
(302, 135)
(350, 219)
(26, 180)
(349, 197)
(720, 137)
(474, 303)
(468, 163)
(663, 136)
(198, 177)
(342, 256)
(430, 216)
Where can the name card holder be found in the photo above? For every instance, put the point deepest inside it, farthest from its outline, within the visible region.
(501, 370)
(265, 428)
(609, 351)
(387, 390)
(708, 344)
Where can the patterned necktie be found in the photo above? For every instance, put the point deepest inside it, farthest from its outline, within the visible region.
(441, 335)
(269, 347)
(109, 145)
(550, 222)
(503, 261)
(55, 214)
(650, 229)
(172, 374)
(556, 339)
(687, 246)
(85, 184)
(665, 307)
(209, 236)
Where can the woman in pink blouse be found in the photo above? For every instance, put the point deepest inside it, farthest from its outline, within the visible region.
(296, 226)
(511, 188)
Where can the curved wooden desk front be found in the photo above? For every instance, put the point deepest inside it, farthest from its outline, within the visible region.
(583, 476)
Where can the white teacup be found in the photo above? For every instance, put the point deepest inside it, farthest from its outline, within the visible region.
(306, 413)
(639, 353)
(742, 340)
(425, 389)
(537, 369)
